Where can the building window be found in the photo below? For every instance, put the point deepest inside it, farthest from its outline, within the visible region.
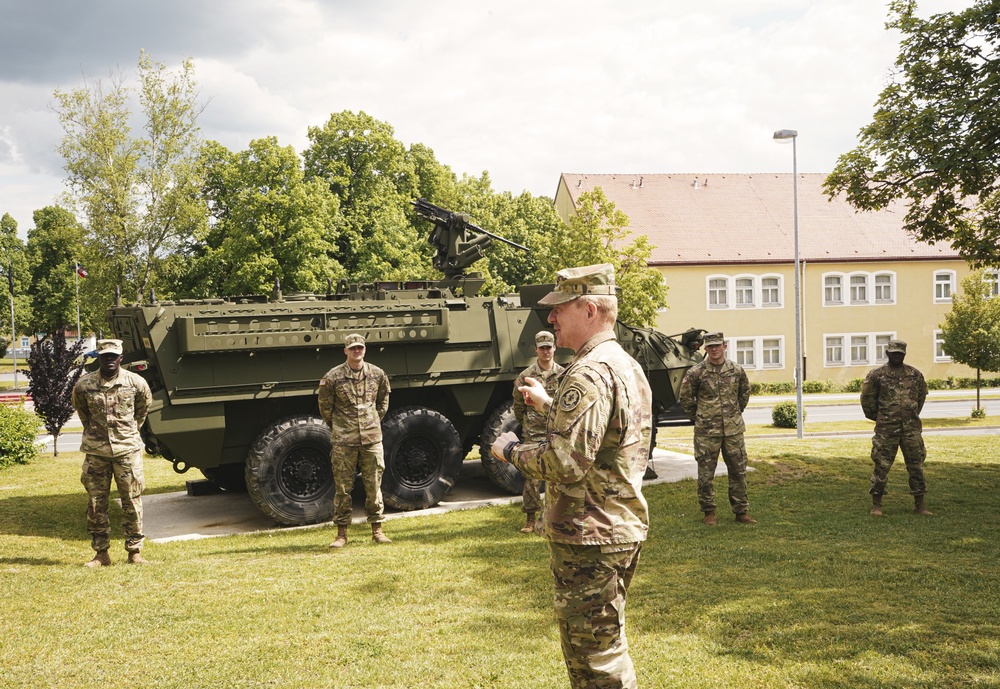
(992, 277)
(770, 291)
(881, 342)
(859, 289)
(939, 354)
(718, 289)
(944, 286)
(859, 350)
(883, 288)
(834, 351)
(771, 352)
(744, 353)
(832, 289)
(744, 292)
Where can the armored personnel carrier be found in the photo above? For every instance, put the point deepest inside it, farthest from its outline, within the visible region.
(235, 380)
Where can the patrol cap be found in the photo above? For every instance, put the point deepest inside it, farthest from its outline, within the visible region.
(543, 338)
(109, 347)
(896, 346)
(354, 340)
(573, 283)
(714, 338)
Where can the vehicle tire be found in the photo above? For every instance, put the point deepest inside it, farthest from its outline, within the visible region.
(504, 475)
(423, 457)
(288, 471)
(228, 477)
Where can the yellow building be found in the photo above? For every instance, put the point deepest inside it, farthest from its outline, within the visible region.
(725, 245)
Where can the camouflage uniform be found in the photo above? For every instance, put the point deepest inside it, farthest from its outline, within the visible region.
(714, 397)
(112, 412)
(593, 458)
(353, 404)
(533, 424)
(893, 398)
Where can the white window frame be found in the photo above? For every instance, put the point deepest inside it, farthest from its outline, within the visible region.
(848, 345)
(992, 276)
(860, 350)
(757, 351)
(875, 299)
(942, 358)
(827, 345)
(724, 290)
(779, 289)
(858, 295)
(740, 353)
(25, 342)
(881, 355)
(840, 287)
(780, 350)
(741, 291)
(949, 283)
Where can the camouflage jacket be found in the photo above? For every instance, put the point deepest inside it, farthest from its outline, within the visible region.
(893, 398)
(595, 450)
(714, 397)
(112, 412)
(533, 421)
(354, 403)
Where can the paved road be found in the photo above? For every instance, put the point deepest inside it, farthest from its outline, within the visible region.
(933, 409)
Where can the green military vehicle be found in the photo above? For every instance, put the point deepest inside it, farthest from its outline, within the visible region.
(235, 380)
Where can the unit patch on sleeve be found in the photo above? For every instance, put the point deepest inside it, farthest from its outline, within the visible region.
(571, 397)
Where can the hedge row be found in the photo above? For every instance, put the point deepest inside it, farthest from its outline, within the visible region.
(854, 385)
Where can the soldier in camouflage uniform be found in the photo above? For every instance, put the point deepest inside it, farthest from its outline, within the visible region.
(353, 399)
(892, 396)
(112, 404)
(532, 421)
(599, 425)
(714, 394)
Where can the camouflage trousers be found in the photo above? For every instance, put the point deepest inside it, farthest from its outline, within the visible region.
(734, 453)
(347, 461)
(531, 496)
(884, 447)
(591, 582)
(96, 479)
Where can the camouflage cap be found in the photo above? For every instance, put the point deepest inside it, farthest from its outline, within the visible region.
(354, 340)
(109, 347)
(573, 283)
(714, 338)
(896, 346)
(543, 338)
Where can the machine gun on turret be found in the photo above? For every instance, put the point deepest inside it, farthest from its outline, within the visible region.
(457, 242)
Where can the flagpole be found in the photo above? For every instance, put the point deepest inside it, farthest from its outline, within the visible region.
(76, 276)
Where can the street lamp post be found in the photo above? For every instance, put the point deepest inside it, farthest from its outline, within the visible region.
(781, 136)
(13, 328)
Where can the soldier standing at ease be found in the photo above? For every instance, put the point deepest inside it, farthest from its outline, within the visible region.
(112, 405)
(353, 399)
(532, 421)
(592, 457)
(892, 396)
(714, 394)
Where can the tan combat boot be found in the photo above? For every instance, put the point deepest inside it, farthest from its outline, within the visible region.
(876, 506)
(529, 523)
(920, 508)
(136, 558)
(378, 536)
(745, 518)
(101, 559)
(709, 519)
(341, 537)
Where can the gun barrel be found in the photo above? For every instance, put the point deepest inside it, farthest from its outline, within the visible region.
(437, 214)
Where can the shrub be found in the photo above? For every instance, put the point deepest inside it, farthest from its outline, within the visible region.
(979, 413)
(936, 384)
(782, 388)
(784, 415)
(854, 385)
(18, 430)
(817, 386)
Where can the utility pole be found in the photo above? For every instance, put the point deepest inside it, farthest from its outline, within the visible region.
(13, 329)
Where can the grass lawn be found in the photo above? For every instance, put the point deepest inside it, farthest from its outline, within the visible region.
(818, 594)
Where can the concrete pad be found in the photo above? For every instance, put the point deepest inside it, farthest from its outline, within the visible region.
(179, 517)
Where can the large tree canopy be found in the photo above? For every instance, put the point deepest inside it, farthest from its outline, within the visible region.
(14, 269)
(55, 245)
(934, 140)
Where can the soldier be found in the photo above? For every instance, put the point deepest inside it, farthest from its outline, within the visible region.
(353, 399)
(892, 396)
(532, 421)
(714, 394)
(112, 404)
(593, 455)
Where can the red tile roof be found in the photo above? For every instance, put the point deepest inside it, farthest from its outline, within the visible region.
(739, 218)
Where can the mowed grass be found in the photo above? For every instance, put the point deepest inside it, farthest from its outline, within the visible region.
(818, 594)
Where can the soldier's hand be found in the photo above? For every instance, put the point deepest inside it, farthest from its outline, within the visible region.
(497, 448)
(534, 394)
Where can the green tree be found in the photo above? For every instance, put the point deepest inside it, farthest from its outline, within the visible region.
(14, 271)
(55, 244)
(268, 222)
(971, 329)
(139, 194)
(598, 233)
(374, 178)
(932, 140)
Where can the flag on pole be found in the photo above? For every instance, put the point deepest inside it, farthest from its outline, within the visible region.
(80, 271)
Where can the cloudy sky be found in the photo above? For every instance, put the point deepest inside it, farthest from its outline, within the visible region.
(523, 89)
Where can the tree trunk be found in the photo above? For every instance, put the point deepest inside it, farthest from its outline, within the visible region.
(55, 445)
(977, 389)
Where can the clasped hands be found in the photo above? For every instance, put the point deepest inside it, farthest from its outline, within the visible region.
(534, 395)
